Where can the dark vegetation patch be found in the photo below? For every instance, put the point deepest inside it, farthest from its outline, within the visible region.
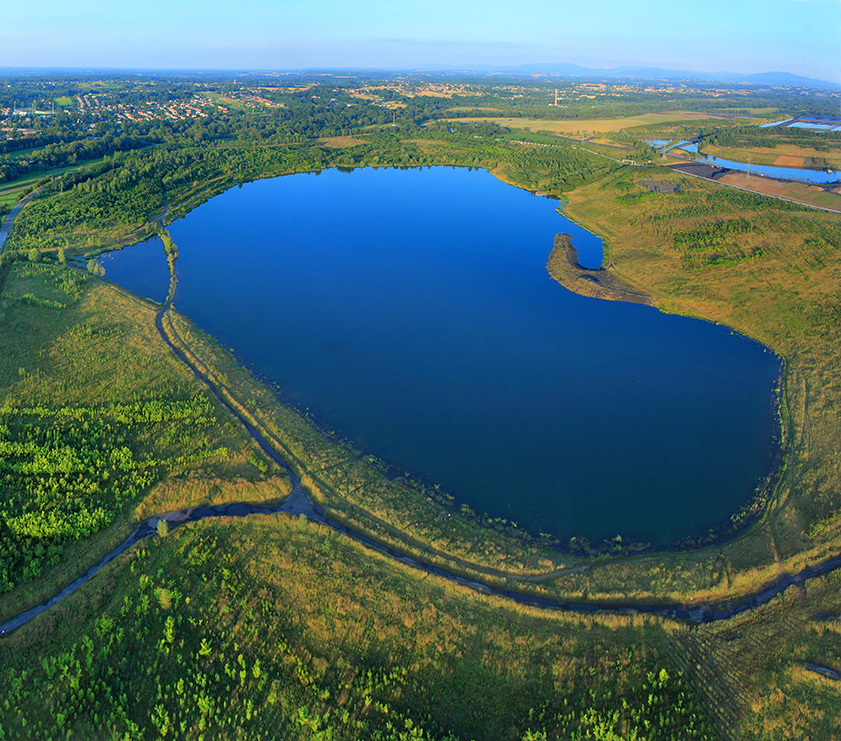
(659, 186)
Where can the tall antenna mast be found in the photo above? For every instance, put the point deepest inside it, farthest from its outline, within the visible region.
(556, 97)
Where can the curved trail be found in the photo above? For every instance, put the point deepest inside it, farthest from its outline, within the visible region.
(298, 502)
(10, 219)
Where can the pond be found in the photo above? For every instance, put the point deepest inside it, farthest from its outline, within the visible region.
(411, 311)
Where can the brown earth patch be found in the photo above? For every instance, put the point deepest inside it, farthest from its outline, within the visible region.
(659, 186)
(602, 283)
(809, 194)
(788, 160)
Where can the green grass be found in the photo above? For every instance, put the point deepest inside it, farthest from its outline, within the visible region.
(95, 417)
(274, 627)
(12, 192)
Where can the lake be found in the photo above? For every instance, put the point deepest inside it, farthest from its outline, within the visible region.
(411, 311)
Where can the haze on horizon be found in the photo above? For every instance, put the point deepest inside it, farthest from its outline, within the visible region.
(742, 36)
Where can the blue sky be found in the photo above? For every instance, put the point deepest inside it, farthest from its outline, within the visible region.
(799, 36)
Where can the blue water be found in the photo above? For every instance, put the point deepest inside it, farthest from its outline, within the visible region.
(814, 177)
(411, 311)
(816, 126)
(142, 268)
(775, 123)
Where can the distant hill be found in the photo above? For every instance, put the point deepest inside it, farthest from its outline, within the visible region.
(657, 73)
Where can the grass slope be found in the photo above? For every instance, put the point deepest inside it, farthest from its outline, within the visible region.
(277, 628)
(99, 424)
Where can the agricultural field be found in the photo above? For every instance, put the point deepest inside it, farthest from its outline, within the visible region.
(800, 192)
(790, 155)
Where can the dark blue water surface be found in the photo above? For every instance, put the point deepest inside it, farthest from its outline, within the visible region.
(411, 311)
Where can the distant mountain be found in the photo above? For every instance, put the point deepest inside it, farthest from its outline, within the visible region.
(657, 73)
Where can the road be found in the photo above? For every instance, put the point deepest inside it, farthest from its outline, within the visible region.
(10, 219)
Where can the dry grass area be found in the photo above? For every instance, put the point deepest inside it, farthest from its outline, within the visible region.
(810, 194)
(340, 142)
(593, 125)
(199, 488)
(790, 160)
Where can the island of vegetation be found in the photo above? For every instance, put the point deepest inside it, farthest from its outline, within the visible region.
(115, 410)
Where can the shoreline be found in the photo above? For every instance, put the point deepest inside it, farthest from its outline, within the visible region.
(603, 283)
(609, 286)
(600, 283)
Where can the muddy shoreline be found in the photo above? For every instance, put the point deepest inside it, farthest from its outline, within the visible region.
(600, 283)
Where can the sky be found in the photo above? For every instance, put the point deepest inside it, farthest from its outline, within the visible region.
(744, 36)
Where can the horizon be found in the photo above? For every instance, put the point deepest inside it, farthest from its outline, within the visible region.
(800, 37)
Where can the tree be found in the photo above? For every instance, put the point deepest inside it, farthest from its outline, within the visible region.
(34, 254)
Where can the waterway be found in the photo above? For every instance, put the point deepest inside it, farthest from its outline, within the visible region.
(801, 175)
(411, 311)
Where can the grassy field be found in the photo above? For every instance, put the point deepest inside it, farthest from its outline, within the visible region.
(11, 193)
(588, 127)
(772, 155)
(274, 627)
(100, 426)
